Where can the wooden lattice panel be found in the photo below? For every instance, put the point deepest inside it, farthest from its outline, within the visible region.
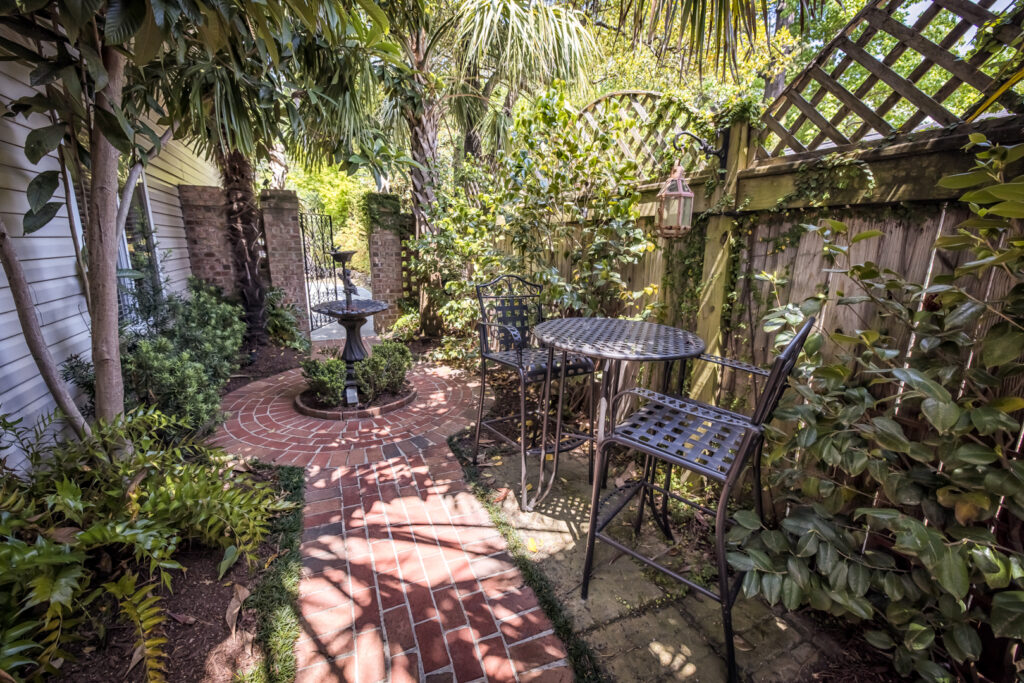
(653, 139)
(899, 67)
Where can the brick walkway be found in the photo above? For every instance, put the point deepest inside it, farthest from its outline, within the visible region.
(404, 576)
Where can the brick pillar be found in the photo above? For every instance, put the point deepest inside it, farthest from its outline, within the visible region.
(203, 209)
(387, 228)
(284, 249)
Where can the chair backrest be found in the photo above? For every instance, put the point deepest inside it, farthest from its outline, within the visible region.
(508, 300)
(778, 378)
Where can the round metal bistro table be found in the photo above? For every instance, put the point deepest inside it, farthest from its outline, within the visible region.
(613, 341)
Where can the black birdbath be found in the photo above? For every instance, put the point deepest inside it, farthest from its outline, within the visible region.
(352, 314)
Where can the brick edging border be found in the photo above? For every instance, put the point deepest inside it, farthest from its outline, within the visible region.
(345, 414)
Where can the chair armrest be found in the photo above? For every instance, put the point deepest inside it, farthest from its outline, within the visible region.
(734, 364)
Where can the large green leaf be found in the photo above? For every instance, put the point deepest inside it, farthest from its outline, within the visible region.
(951, 571)
(1003, 344)
(34, 220)
(1007, 618)
(922, 383)
(42, 188)
(42, 141)
(123, 19)
(942, 414)
(918, 636)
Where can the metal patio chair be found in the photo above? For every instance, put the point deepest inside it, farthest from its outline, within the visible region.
(710, 441)
(509, 308)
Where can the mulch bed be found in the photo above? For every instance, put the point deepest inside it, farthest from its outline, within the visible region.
(200, 646)
(270, 360)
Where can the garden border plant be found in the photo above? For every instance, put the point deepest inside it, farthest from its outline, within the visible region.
(900, 489)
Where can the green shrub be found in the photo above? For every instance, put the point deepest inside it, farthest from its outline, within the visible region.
(95, 522)
(158, 374)
(283, 322)
(208, 328)
(178, 361)
(406, 327)
(326, 379)
(900, 476)
(383, 371)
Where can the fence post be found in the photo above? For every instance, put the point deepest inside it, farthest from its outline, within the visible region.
(717, 257)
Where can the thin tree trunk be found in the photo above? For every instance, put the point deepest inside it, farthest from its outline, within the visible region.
(423, 150)
(775, 83)
(33, 333)
(101, 239)
(244, 231)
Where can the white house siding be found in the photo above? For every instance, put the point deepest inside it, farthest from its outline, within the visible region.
(48, 255)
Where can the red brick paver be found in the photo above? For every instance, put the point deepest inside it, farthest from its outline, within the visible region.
(404, 576)
(390, 592)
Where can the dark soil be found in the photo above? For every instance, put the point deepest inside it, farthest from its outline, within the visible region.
(383, 399)
(199, 647)
(269, 361)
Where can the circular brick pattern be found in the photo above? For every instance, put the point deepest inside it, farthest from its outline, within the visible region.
(263, 422)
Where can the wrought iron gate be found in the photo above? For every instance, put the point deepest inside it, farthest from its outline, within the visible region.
(321, 277)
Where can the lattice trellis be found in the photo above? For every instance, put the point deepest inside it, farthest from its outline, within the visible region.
(652, 141)
(896, 68)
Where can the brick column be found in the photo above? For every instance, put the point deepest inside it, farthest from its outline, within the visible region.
(387, 228)
(203, 209)
(284, 249)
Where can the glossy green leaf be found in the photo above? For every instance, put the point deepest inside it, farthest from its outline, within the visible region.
(42, 141)
(1007, 618)
(951, 571)
(942, 414)
(41, 189)
(918, 636)
(34, 221)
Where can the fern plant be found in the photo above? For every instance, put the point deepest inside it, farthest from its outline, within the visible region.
(93, 520)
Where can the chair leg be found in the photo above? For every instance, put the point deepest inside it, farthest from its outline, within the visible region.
(592, 407)
(480, 409)
(522, 439)
(595, 500)
(725, 590)
(758, 488)
(638, 522)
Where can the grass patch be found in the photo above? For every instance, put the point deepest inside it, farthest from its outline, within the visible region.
(581, 657)
(275, 598)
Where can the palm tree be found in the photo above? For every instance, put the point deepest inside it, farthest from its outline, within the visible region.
(457, 57)
(236, 106)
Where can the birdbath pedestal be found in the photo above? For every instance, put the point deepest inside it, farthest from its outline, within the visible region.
(351, 314)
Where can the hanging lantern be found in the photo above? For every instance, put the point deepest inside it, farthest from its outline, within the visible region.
(675, 206)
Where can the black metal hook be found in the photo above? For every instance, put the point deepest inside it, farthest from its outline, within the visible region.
(706, 148)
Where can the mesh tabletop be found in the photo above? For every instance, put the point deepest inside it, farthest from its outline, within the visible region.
(617, 339)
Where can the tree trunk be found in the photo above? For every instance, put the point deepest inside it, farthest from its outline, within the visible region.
(423, 122)
(775, 82)
(244, 231)
(101, 239)
(33, 333)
